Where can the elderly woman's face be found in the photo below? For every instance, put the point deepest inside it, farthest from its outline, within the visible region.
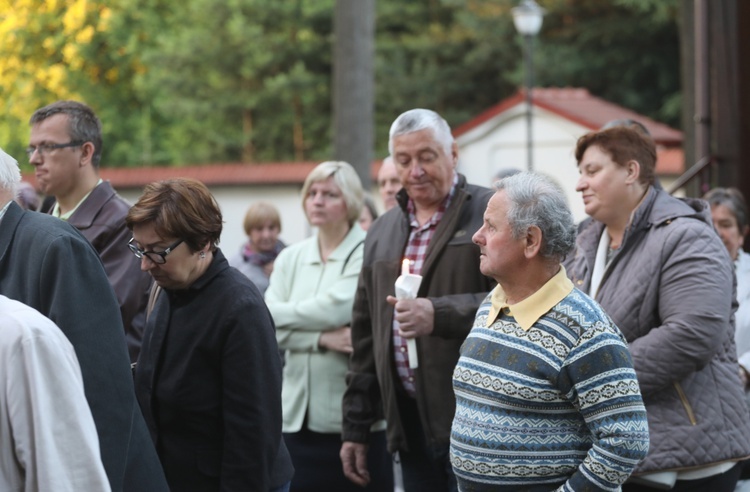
(182, 267)
(324, 204)
(265, 237)
(728, 229)
(602, 185)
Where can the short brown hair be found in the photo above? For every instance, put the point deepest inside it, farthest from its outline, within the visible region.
(623, 144)
(180, 208)
(258, 214)
(83, 124)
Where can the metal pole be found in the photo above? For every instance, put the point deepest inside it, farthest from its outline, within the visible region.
(529, 88)
(702, 118)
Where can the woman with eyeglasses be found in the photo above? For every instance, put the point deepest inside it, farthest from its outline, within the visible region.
(208, 378)
(310, 297)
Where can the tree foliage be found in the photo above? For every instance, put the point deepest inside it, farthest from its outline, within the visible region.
(250, 80)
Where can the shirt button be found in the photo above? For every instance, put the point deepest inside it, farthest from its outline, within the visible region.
(411, 379)
(403, 349)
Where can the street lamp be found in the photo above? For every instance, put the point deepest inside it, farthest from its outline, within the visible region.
(527, 18)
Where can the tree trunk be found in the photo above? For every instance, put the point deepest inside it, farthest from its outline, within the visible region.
(353, 81)
(248, 150)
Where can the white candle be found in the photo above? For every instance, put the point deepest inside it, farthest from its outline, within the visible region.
(405, 267)
(411, 352)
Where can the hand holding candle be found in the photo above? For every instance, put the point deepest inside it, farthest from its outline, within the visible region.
(407, 286)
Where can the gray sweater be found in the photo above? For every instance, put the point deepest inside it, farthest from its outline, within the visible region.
(669, 288)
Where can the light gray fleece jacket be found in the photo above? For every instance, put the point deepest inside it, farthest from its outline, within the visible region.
(670, 290)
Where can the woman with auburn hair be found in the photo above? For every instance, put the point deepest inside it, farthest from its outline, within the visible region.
(208, 378)
(658, 268)
(310, 297)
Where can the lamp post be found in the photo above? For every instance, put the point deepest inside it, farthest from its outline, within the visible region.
(527, 18)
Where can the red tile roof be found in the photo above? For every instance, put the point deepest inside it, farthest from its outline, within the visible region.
(213, 174)
(670, 161)
(579, 106)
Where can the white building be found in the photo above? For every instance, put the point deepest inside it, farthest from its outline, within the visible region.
(496, 139)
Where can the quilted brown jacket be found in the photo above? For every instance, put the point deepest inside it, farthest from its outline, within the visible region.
(670, 290)
(454, 284)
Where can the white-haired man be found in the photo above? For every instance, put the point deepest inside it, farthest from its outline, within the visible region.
(546, 394)
(47, 264)
(432, 227)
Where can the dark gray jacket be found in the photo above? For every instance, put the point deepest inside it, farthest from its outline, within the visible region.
(48, 265)
(669, 289)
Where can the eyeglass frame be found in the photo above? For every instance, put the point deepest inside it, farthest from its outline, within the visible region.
(43, 149)
(140, 253)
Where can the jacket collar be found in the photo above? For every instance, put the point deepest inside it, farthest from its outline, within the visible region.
(8, 225)
(402, 197)
(87, 211)
(449, 225)
(352, 239)
(218, 264)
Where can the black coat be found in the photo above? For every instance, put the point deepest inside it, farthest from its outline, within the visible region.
(209, 383)
(46, 264)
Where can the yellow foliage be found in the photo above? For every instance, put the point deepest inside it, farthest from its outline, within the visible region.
(85, 35)
(105, 14)
(75, 16)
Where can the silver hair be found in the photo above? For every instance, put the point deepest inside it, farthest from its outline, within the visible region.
(733, 199)
(536, 200)
(346, 178)
(415, 120)
(10, 174)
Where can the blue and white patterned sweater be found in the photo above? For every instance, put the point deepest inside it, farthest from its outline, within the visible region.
(556, 407)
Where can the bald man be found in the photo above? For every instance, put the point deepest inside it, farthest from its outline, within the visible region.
(388, 183)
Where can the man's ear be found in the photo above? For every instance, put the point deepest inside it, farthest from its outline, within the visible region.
(87, 154)
(454, 154)
(634, 171)
(533, 242)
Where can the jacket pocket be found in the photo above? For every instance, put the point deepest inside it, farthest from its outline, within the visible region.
(686, 404)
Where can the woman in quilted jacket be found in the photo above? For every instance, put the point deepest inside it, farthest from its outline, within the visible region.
(657, 266)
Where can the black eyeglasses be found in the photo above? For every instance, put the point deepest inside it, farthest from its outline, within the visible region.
(158, 257)
(45, 149)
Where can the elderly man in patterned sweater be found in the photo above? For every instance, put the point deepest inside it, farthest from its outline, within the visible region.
(546, 395)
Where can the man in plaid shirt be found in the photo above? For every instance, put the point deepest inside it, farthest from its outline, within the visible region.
(438, 213)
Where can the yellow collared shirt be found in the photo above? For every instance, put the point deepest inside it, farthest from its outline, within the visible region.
(528, 311)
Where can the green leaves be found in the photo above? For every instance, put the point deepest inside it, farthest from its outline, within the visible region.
(205, 81)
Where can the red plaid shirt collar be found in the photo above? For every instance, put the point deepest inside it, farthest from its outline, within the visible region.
(420, 236)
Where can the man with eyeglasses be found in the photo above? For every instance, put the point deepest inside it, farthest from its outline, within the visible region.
(65, 148)
(47, 265)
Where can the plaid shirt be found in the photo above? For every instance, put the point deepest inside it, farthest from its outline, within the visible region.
(416, 250)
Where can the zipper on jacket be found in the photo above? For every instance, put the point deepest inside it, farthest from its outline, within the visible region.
(686, 404)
